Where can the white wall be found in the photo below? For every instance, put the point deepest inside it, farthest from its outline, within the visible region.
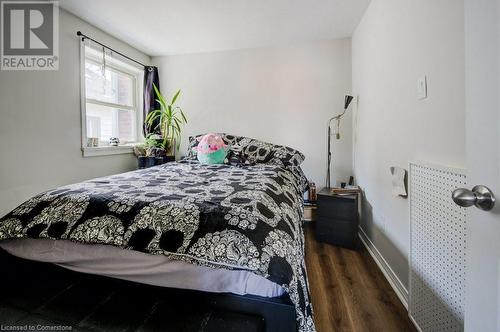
(283, 95)
(40, 136)
(396, 42)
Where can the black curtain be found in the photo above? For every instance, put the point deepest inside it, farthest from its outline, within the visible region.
(150, 104)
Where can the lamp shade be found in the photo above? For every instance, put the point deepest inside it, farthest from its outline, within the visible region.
(347, 101)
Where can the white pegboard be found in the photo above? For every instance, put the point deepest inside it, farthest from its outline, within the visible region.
(438, 242)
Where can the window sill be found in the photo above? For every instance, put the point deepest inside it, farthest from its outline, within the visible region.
(107, 150)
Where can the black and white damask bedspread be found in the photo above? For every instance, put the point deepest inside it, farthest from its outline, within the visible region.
(220, 216)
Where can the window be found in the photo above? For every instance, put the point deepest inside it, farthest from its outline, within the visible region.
(111, 102)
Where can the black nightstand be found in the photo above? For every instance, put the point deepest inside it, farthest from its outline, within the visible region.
(337, 218)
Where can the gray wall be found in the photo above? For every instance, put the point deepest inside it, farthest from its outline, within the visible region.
(40, 136)
(397, 42)
(282, 94)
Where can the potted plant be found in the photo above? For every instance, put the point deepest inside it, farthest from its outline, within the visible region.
(168, 119)
(150, 152)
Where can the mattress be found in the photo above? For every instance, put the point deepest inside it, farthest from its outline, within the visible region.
(139, 267)
(237, 217)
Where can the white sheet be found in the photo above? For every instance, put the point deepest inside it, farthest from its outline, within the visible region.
(139, 267)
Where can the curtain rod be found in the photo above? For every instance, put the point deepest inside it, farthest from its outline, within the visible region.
(79, 33)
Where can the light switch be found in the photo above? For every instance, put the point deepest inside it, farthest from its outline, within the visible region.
(422, 87)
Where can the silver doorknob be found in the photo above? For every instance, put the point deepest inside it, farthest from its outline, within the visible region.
(480, 196)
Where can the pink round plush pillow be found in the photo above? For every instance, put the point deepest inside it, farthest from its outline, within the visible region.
(211, 149)
(210, 143)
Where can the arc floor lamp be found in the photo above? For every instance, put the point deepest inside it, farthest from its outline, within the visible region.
(347, 101)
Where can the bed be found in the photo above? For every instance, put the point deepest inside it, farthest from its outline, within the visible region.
(228, 228)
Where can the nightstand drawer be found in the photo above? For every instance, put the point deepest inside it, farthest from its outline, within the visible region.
(338, 232)
(337, 207)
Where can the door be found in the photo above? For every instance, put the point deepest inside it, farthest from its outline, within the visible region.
(482, 69)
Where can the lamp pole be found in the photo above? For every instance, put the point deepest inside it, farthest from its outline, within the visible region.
(347, 101)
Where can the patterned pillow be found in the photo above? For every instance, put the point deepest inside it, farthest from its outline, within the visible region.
(261, 152)
(251, 151)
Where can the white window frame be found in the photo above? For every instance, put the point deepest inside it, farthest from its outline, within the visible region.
(137, 73)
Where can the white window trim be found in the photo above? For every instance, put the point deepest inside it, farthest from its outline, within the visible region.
(109, 150)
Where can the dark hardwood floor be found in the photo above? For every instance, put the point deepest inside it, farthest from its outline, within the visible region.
(349, 292)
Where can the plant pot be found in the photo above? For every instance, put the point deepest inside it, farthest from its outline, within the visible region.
(141, 162)
(150, 161)
(168, 159)
(140, 150)
(158, 160)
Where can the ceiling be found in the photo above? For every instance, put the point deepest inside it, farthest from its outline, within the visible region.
(164, 27)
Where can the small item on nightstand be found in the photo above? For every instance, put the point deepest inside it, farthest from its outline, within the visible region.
(348, 190)
(351, 180)
(342, 185)
(312, 192)
(310, 198)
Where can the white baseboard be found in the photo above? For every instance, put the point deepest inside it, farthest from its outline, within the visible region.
(415, 324)
(389, 274)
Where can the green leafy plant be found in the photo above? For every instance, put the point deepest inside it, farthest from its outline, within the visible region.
(152, 142)
(168, 119)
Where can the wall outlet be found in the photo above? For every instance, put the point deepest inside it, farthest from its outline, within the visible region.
(422, 87)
